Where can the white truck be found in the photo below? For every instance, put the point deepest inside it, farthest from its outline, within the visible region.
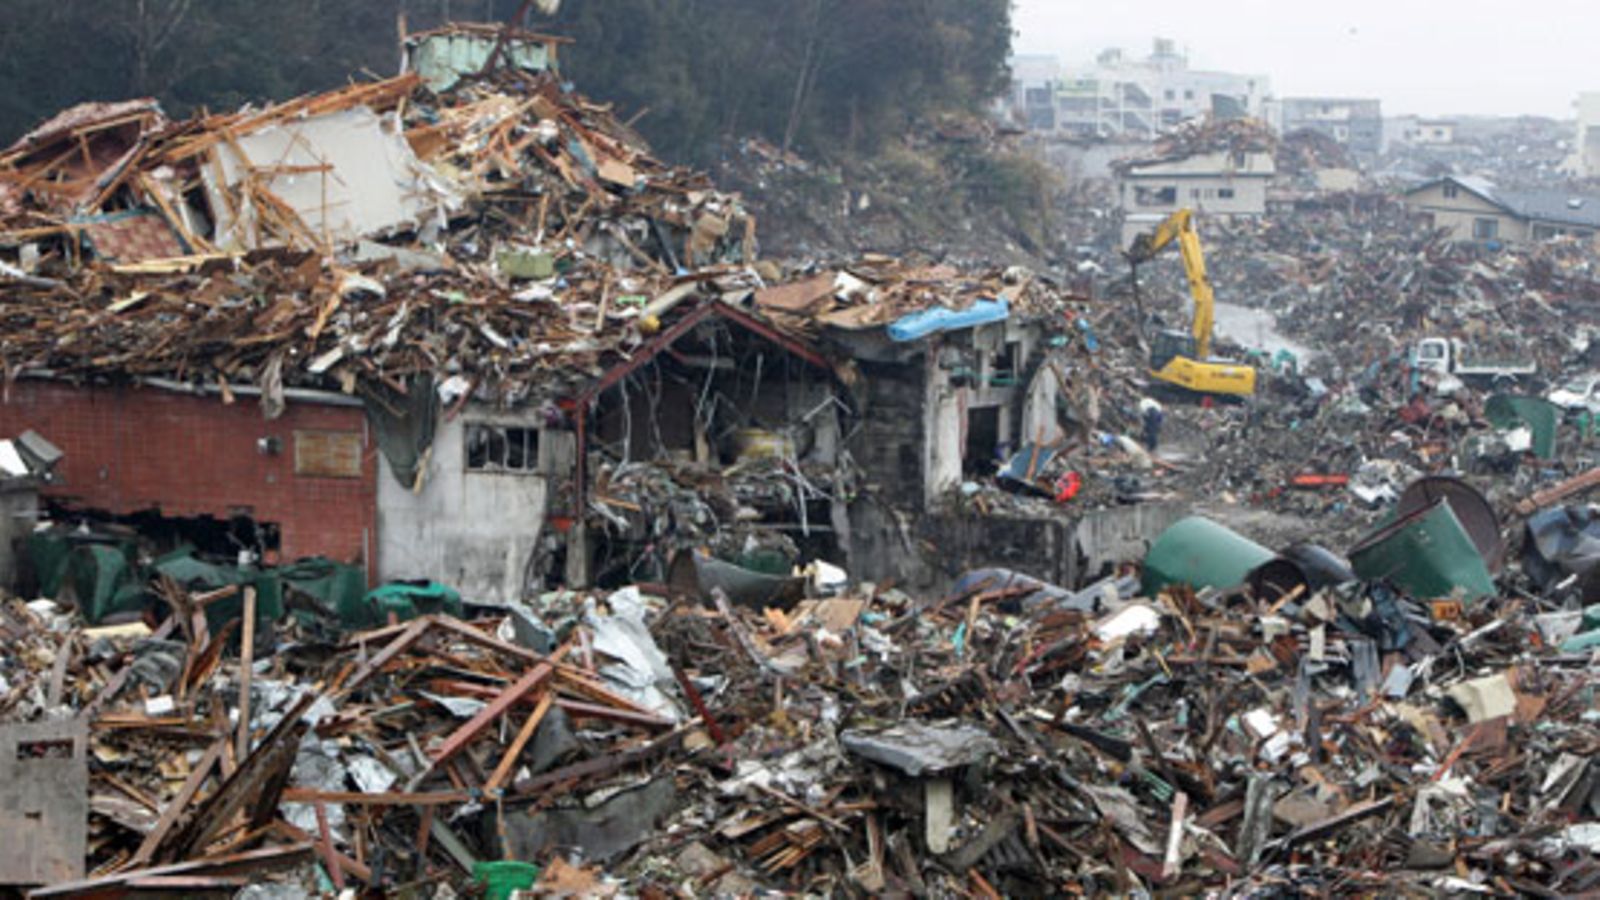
(1448, 356)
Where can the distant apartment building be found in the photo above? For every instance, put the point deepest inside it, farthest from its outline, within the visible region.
(1355, 123)
(1417, 131)
(1119, 96)
(1585, 160)
(1033, 91)
(1436, 131)
(1400, 130)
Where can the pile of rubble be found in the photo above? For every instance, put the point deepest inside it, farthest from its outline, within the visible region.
(1197, 137)
(1307, 150)
(1200, 726)
(1356, 277)
(502, 227)
(876, 290)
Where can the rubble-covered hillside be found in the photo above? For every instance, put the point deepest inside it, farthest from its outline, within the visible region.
(952, 195)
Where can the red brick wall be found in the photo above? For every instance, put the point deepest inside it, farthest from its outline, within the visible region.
(133, 449)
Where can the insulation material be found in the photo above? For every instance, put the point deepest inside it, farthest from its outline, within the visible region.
(330, 179)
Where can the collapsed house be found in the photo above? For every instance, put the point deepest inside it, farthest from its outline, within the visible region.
(367, 266)
(1218, 167)
(463, 328)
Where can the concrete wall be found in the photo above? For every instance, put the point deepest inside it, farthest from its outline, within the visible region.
(1107, 537)
(1208, 194)
(1459, 213)
(944, 412)
(929, 552)
(473, 530)
(1203, 195)
(129, 450)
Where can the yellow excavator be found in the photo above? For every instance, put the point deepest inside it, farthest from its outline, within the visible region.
(1183, 359)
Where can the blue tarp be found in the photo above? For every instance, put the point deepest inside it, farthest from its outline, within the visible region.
(935, 319)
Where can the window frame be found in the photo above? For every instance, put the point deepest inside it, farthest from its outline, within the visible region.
(527, 438)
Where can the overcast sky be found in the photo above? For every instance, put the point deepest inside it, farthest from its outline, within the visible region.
(1417, 56)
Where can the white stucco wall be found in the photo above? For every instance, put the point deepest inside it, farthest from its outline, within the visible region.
(474, 531)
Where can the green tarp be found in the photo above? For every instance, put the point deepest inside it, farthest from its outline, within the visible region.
(407, 600)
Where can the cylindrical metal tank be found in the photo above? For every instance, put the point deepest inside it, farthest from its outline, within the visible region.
(1201, 553)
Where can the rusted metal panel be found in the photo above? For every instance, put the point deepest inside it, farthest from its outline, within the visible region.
(44, 802)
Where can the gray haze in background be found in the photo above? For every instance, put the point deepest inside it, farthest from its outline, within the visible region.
(1417, 56)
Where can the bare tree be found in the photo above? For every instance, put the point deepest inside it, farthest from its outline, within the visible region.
(151, 26)
(810, 65)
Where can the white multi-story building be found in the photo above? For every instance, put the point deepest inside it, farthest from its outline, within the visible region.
(1121, 96)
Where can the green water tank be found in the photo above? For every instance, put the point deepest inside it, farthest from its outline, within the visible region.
(1201, 553)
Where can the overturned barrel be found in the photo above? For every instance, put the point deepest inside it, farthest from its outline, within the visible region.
(1201, 553)
(1306, 568)
(1426, 553)
(1471, 509)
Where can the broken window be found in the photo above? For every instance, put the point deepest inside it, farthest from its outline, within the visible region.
(1155, 196)
(983, 441)
(1225, 193)
(1485, 229)
(1004, 373)
(1451, 191)
(500, 448)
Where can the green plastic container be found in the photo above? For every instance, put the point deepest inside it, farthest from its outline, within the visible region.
(501, 878)
(1201, 553)
(1427, 553)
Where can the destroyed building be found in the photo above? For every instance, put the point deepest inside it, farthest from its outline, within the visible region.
(1355, 122)
(1219, 167)
(475, 364)
(273, 297)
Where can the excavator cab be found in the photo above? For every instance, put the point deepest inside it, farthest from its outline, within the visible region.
(1169, 345)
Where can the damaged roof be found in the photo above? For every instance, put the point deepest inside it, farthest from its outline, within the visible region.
(506, 230)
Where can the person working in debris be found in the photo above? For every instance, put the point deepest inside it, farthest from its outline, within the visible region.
(1150, 411)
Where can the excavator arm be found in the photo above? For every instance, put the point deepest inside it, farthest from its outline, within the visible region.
(1180, 227)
